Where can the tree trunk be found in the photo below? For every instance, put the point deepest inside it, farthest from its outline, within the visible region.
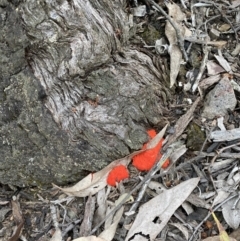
(74, 95)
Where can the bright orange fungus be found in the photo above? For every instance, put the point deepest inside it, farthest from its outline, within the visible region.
(146, 160)
(117, 174)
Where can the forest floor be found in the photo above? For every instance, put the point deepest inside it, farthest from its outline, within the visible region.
(196, 195)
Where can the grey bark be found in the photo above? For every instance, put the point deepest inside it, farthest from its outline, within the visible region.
(74, 95)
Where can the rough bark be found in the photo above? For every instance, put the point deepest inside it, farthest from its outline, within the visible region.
(73, 94)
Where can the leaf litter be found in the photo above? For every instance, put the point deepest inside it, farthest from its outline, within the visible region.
(177, 203)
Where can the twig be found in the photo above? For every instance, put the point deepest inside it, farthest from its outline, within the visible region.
(183, 4)
(202, 68)
(133, 208)
(235, 203)
(225, 17)
(140, 196)
(179, 35)
(215, 157)
(54, 216)
(206, 42)
(220, 151)
(224, 155)
(86, 225)
(70, 227)
(208, 215)
(182, 123)
(180, 166)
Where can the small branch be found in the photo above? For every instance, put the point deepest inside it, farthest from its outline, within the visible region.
(209, 214)
(86, 225)
(202, 68)
(227, 20)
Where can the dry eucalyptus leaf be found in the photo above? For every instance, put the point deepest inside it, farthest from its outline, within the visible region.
(234, 3)
(108, 222)
(224, 27)
(89, 238)
(220, 123)
(156, 186)
(94, 182)
(179, 150)
(57, 236)
(222, 233)
(217, 238)
(182, 228)
(205, 83)
(102, 207)
(234, 180)
(3, 202)
(230, 214)
(3, 212)
(175, 53)
(228, 135)
(154, 215)
(187, 207)
(153, 142)
(175, 62)
(220, 164)
(213, 68)
(17, 214)
(221, 196)
(197, 201)
(108, 234)
(223, 62)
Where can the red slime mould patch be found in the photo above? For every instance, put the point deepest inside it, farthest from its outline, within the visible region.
(146, 160)
(117, 174)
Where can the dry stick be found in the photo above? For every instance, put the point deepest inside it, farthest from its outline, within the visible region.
(190, 160)
(218, 44)
(202, 68)
(182, 123)
(200, 155)
(179, 35)
(215, 157)
(70, 227)
(86, 224)
(225, 17)
(224, 155)
(205, 219)
(135, 205)
(140, 196)
(150, 175)
(183, 4)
